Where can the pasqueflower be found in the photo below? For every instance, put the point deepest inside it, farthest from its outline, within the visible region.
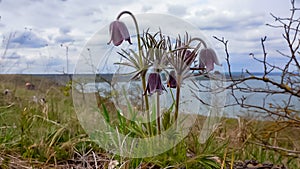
(208, 58)
(154, 84)
(189, 57)
(119, 33)
(172, 80)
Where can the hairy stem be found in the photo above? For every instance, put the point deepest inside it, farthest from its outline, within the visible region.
(157, 113)
(143, 76)
(137, 31)
(200, 40)
(177, 98)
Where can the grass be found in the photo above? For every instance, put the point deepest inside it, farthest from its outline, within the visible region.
(45, 135)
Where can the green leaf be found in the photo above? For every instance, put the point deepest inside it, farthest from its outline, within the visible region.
(105, 113)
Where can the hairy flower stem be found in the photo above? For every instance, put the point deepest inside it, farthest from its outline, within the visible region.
(158, 114)
(200, 40)
(143, 74)
(137, 31)
(158, 111)
(177, 98)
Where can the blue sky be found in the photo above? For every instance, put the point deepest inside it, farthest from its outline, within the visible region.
(37, 33)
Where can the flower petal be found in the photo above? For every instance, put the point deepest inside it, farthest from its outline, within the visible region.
(172, 80)
(188, 57)
(116, 36)
(154, 84)
(216, 60)
(124, 31)
(119, 33)
(208, 58)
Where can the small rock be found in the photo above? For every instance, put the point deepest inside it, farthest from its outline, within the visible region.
(268, 164)
(254, 166)
(113, 164)
(279, 167)
(6, 92)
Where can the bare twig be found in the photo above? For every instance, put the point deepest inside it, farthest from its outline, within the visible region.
(290, 152)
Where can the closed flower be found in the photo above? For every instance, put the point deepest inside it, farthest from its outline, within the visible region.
(119, 33)
(171, 83)
(208, 58)
(154, 84)
(189, 57)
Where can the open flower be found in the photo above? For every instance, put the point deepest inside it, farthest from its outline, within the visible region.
(208, 58)
(119, 33)
(154, 84)
(171, 83)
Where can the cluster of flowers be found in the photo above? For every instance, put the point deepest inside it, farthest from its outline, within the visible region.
(162, 53)
(208, 58)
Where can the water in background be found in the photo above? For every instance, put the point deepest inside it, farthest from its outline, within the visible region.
(192, 104)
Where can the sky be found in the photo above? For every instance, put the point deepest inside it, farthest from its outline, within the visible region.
(37, 36)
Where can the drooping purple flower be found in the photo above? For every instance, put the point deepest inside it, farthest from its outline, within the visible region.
(188, 57)
(208, 58)
(171, 83)
(154, 84)
(119, 33)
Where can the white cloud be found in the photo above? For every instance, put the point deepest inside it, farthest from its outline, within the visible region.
(177, 10)
(74, 22)
(27, 39)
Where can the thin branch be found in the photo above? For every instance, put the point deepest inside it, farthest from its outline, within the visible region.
(290, 152)
(225, 43)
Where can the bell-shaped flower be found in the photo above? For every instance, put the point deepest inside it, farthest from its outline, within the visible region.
(188, 57)
(154, 84)
(171, 83)
(208, 58)
(119, 33)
